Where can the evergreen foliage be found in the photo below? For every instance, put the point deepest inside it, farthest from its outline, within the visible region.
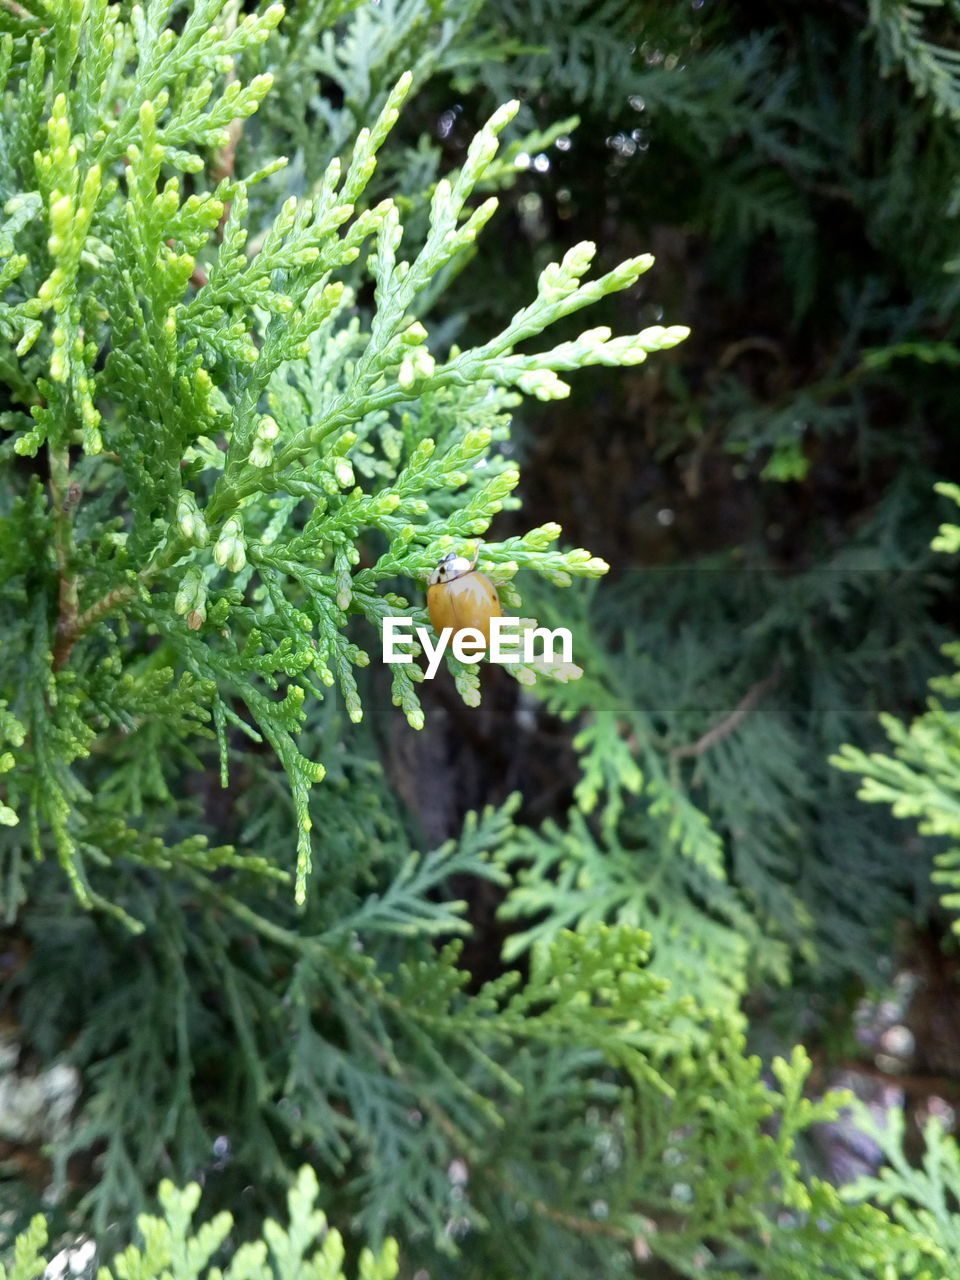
(921, 779)
(933, 68)
(249, 398)
(922, 1200)
(240, 560)
(169, 1248)
(717, 827)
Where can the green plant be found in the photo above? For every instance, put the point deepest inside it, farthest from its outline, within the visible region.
(921, 779)
(249, 397)
(305, 1248)
(225, 436)
(921, 1198)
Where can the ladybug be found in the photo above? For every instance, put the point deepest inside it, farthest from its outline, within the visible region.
(460, 597)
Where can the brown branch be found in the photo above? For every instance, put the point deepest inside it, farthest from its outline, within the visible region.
(730, 722)
(106, 604)
(18, 10)
(225, 158)
(736, 349)
(585, 1226)
(71, 627)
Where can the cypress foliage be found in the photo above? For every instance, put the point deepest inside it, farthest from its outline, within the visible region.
(263, 362)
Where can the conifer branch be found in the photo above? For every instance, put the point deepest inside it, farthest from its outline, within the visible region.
(294, 443)
(224, 159)
(100, 608)
(63, 499)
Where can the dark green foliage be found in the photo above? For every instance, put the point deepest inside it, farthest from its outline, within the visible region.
(920, 781)
(720, 828)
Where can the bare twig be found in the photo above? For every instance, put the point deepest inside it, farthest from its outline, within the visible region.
(728, 723)
(72, 624)
(737, 349)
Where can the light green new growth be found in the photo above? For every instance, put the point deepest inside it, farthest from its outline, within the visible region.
(304, 1250)
(242, 461)
(922, 1199)
(921, 780)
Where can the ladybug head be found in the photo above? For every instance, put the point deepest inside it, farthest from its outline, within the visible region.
(450, 567)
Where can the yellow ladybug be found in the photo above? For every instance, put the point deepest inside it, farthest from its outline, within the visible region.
(460, 597)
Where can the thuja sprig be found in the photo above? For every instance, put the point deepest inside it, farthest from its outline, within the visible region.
(269, 460)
